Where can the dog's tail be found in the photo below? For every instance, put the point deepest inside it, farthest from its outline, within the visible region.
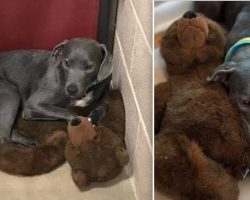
(28, 161)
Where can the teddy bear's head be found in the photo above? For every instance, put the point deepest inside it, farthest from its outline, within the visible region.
(192, 30)
(190, 40)
(94, 154)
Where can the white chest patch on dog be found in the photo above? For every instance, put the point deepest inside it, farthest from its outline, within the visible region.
(85, 101)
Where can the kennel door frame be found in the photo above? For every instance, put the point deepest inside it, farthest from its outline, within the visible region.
(107, 22)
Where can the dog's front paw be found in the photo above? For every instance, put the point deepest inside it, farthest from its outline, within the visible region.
(98, 114)
(91, 121)
(27, 114)
(74, 121)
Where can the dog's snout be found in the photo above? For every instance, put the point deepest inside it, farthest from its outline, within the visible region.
(189, 15)
(72, 89)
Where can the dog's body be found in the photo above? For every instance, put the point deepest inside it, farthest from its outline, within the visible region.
(43, 84)
(234, 73)
(224, 12)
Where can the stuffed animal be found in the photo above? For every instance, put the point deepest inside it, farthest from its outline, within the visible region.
(95, 154)
(98, 154)
(200, 146)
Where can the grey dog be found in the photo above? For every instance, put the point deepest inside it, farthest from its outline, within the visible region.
(234, 73)
(43, 84)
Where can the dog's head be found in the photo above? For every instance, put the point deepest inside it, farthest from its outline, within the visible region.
(85, 62)
(235, 76)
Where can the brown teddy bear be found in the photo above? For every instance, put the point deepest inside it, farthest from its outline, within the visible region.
(94, 154)
(200, 146)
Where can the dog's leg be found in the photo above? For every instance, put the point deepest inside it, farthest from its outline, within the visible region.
(42, 106)
(98, 113)
(9, 104)
(16, 137)
(50, 112)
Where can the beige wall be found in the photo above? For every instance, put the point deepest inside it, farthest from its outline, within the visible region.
(133, 75)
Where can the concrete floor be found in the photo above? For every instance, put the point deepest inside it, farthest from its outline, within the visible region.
(58, 185)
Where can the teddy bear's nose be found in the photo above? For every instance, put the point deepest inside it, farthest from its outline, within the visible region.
(189, 15)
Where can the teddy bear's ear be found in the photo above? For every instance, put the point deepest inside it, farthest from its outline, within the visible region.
(223, 73)
(80, 178)
(122, 156)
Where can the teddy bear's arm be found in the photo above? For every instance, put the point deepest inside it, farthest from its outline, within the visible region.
(162, 95)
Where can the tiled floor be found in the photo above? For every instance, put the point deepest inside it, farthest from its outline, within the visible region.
(58, 185)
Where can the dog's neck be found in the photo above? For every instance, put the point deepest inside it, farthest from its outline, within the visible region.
(239, 51)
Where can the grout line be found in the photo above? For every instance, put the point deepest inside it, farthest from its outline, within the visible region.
(133, 49)
(132, 178)
(134, 95)
(132, 182)
(140, 25)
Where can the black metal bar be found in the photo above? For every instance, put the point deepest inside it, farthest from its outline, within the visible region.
(107, 22)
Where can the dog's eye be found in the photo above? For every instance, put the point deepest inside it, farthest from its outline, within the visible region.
(246, 103)
(89, 67)
(66, 61)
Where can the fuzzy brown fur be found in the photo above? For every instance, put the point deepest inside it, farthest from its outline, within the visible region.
(200, 144)
(97, 158)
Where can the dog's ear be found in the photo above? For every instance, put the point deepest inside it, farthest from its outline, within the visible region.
(57, 51)
(106, 66)
(223, 73)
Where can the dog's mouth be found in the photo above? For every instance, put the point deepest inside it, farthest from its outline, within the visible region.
(76, 96)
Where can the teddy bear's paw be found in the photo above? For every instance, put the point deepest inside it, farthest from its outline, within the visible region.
(122, 156)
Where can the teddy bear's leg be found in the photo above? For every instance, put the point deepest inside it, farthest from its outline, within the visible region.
(162, 95)
(184, 172)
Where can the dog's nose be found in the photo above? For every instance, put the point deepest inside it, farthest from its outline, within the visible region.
(72, 89)
(189, 15)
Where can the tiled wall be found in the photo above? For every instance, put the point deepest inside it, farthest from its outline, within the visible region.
(133, 75)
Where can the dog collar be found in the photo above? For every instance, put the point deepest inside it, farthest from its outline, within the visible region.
(235, 47)
(95, 84)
